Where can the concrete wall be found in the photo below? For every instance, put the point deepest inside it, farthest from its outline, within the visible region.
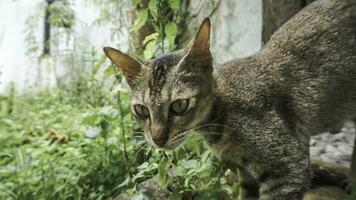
(237, 29)
(236, 26)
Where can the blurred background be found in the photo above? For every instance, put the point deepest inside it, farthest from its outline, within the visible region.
(78, 29)
(65, 126)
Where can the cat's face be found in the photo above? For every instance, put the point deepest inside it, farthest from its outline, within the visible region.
(172, 94)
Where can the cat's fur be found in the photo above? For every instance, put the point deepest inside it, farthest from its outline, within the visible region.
(259, 111)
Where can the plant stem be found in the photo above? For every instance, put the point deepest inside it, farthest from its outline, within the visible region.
(122, 126)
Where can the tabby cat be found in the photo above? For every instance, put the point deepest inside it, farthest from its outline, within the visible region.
(259, 111)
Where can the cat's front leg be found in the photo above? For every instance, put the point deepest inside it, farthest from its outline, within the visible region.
(248, 186)
(291, 186)
(281, 189)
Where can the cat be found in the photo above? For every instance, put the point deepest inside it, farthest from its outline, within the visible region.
(260, 111)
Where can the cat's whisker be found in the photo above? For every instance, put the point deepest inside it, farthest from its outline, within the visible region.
(142, 147)
(208, 133)
(138, 136)
(222, 114)
(206, 125)
(149, 140)
(175, 143)
(182, 134)
(140, 132)
(143, 144)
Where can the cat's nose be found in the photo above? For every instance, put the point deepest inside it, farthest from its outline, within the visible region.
(159, 134)
(161, 140)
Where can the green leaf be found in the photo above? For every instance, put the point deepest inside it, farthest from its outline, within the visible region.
(189, 164)
(174, 4)
(177, 195)
(98, 64)
(109, 71)
(150, 49)
(91, 119)
(171, 31)
(152, 7)
(150, 37)
(143, 166)
(205, 156)
(136, 2)
(141, 19)
(162, 170)
(124, 183)
(180, 171)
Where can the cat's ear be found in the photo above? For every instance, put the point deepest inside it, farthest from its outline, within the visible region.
(200, 45)
(129, 66)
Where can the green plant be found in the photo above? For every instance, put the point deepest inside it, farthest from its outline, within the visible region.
(61, 14)
(165, 17)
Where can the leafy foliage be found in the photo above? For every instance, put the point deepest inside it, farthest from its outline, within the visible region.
(61, 14)
(164, 16)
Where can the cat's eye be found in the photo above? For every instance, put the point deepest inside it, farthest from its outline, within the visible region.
(141, 111)
(180, 106)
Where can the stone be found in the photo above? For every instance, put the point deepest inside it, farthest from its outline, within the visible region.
(350, 137)
(322, 137)
(316, 151)
(344, 163)
(331, 149)
(344, 129)
(325, 193)
(345, 148)
(338, 137)
(313, 142)
(321, 144)
(327, 158)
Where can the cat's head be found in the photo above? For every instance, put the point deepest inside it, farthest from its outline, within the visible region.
(172, 94)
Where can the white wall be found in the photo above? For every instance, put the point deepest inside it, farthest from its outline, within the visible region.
(16, 67)
(13, 64)
(236, 28)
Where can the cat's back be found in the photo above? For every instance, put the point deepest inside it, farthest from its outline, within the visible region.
(309, 64)
(319, 47)
(321, 22)
(319, 39)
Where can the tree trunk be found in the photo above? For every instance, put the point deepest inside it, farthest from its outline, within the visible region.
(47, 29)
(276, 12)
